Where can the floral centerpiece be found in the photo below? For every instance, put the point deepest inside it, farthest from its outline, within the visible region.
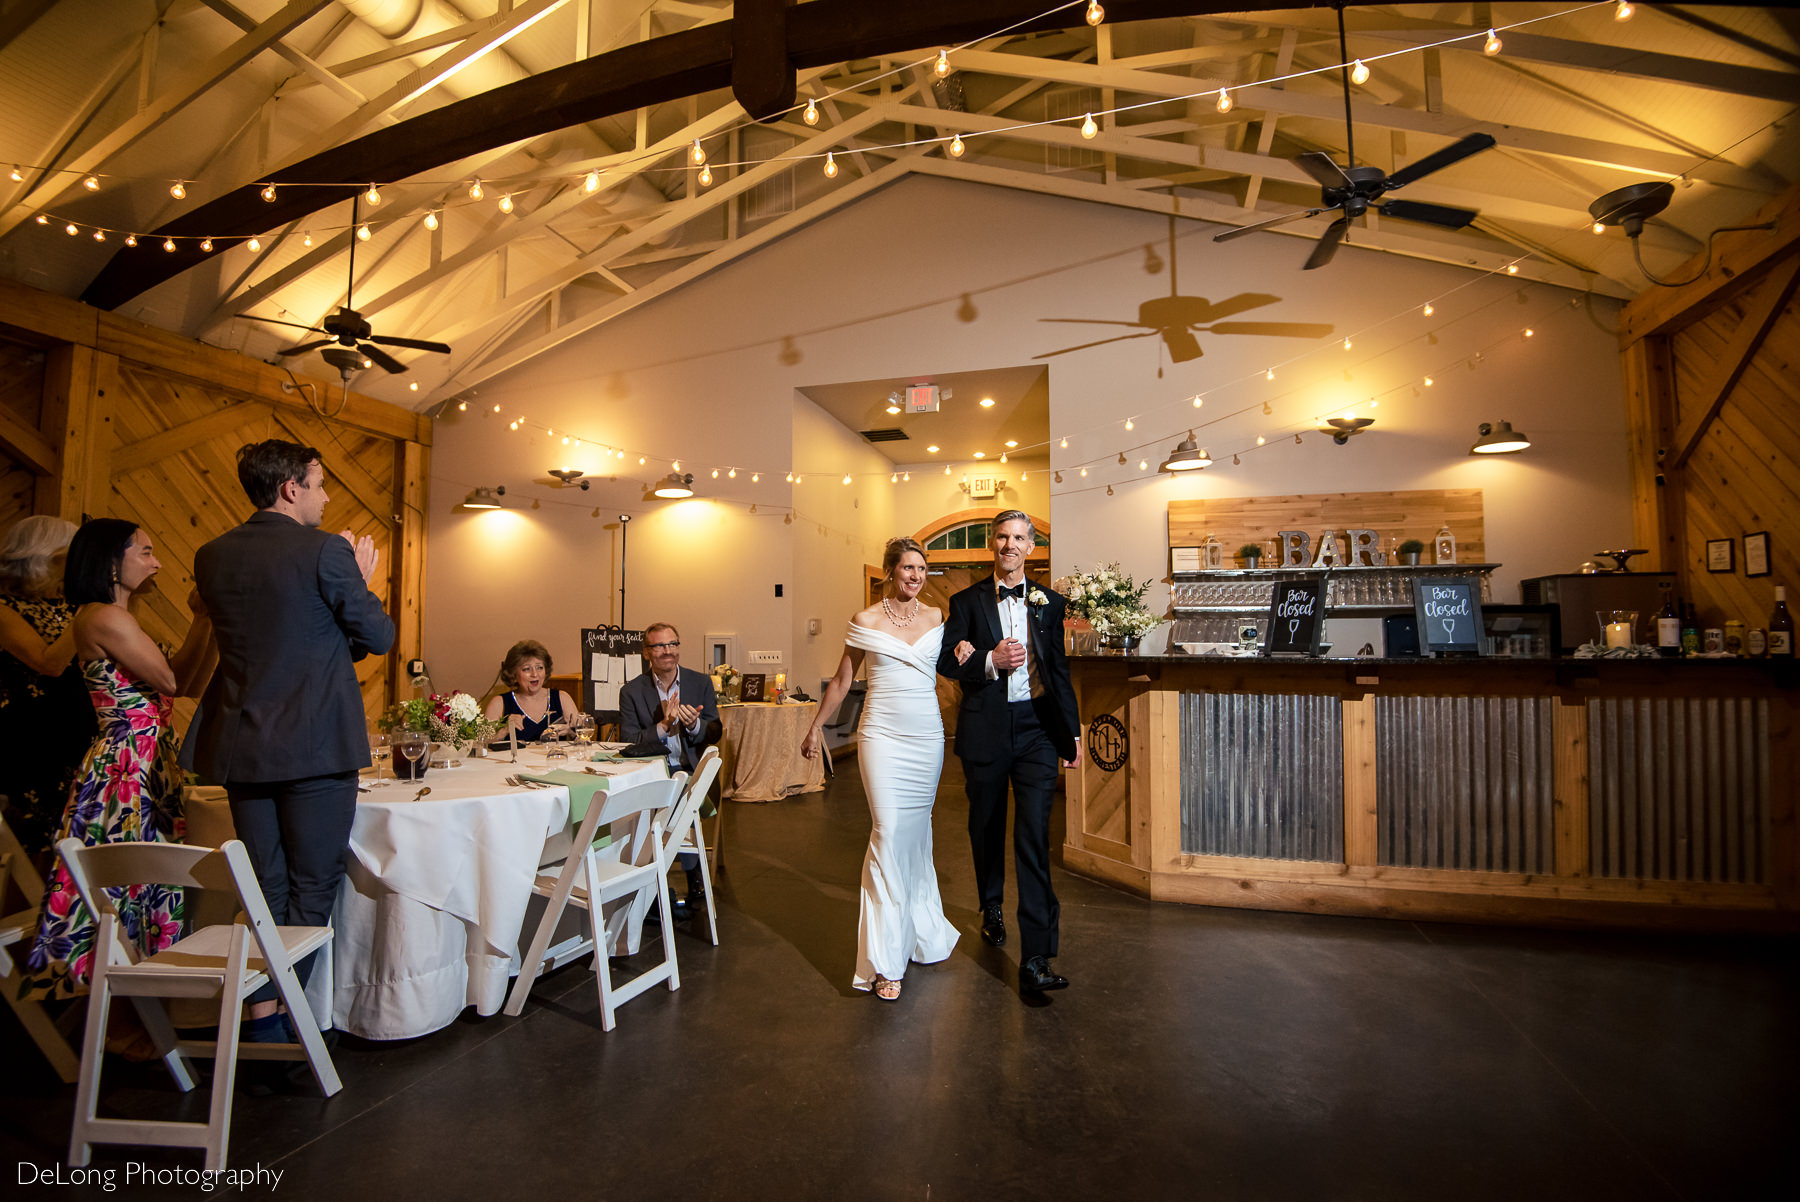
(1112, 603)
(726, 682)
(454, 718)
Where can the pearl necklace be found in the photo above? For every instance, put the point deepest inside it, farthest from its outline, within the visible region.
(894, 614)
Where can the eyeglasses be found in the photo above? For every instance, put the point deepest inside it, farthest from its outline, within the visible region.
(659, 646)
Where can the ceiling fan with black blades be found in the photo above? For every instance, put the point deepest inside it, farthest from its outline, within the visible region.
(350, 343)
(1352, 191)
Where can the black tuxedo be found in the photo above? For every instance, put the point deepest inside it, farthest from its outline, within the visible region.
(1001, 742)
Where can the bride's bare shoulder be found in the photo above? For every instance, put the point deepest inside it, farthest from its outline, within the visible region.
(870, 617)
(934, 616)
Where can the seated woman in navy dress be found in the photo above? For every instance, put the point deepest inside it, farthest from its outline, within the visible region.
(529, 705)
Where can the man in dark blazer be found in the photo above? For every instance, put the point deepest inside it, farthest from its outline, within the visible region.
(677, 707)
(281, 725)
(1017, 721)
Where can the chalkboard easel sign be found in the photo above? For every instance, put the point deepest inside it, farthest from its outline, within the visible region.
(1448, 610)
(610, 656)
(1296, 617)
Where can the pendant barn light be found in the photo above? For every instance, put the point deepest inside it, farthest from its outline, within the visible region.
(484, 498)
(1499, 438)
(1186, 457)
(676, 486)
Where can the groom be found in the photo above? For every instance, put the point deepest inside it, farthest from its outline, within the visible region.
(1017, 722)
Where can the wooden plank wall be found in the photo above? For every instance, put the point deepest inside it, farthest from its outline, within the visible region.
(1418, 514)
(146, 425)
(1714, 404)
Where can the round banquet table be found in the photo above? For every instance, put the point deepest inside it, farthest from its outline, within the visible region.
(760, 751)
(435, 890)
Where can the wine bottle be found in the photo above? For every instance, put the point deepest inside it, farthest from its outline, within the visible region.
(1690, 630)
(1668, 627)
(1781, 627)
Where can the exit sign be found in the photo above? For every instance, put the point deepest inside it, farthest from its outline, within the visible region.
(922, 398)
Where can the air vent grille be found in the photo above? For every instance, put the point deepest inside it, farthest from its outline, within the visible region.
(889, 435)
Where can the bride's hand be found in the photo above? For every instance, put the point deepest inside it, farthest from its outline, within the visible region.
(809, 746)
(964, 650)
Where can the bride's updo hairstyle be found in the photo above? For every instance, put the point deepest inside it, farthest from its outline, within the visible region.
(897, 547)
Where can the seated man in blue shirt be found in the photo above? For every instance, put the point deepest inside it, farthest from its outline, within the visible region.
(674, 706)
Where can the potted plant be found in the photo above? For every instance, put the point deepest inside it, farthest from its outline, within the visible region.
(1409, 552)
(1113, 604)
(1250, 553)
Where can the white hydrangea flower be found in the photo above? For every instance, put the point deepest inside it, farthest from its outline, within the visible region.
(464, 708)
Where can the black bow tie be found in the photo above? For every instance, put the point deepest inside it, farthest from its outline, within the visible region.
(1017, 590)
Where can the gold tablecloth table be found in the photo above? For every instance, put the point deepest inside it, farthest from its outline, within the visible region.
(761, 751)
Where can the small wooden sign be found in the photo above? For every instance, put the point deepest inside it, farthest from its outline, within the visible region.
(1448, 612)
(1296, 617)
(753, 686)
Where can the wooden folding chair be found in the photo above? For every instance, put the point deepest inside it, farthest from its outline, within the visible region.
(16, 869)
(590, 878)
(228, 961)
(692, 840)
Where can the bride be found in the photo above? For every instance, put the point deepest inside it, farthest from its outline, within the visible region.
(900, 751)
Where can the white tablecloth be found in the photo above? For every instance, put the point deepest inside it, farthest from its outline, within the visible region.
(435, 892)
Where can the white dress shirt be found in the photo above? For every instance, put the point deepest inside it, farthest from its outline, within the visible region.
(1022, 684)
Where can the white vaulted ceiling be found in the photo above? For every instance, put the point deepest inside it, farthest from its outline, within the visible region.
(220, 94)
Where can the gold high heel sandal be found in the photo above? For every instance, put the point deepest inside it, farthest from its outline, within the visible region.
(886, 990)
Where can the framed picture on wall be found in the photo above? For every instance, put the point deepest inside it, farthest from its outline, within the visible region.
(1756, 553)
(1720, 554)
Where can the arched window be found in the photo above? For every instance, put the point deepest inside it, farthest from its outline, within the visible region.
(972, 536)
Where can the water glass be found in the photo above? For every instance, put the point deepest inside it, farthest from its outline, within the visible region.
(379, 751)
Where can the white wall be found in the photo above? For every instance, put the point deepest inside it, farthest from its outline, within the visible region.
(708, 374)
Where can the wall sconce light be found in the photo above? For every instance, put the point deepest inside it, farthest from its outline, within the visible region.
(1498, 438)
(569, 475)
(484, 498)
(1186, 457)
(1341, 428)
(675, 486)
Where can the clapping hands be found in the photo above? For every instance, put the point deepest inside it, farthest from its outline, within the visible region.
(676, 716)
(366, 554)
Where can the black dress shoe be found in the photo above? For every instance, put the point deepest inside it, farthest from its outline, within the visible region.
(993, 926)
(1035, 976)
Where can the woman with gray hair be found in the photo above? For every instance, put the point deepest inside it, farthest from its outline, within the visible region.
(46, 721)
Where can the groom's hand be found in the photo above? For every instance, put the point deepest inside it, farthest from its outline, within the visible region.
(1008, 654)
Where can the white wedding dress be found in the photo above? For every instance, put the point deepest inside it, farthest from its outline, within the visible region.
(901, 752)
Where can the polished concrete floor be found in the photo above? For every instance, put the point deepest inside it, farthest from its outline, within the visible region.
(1205, 1053)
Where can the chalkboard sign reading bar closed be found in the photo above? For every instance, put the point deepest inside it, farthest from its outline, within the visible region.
(1296, 617)
(1448, 610)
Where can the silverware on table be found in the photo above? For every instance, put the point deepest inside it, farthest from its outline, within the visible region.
(421, 792)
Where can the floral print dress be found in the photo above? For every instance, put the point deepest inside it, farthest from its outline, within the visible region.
(128, 789)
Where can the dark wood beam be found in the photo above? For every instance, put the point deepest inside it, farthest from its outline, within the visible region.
(762, 77)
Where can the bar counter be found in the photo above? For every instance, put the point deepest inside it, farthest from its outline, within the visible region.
(1591, 792)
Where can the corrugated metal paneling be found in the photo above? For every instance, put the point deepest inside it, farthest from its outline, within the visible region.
(1262, 775)
(1679, 788)
(1464, 782)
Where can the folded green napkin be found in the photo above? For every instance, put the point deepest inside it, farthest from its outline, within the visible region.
(582, 786)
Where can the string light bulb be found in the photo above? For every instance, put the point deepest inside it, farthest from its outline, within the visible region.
(1622, 11)
(1429, 381)
(1095, 14)
(1142, 464)
(1529, 332)
(254, 244)
(1269, 375)
(715, 474)
(756, 477)
(1065, 444)
(71, 229)
(373, 195)
(462, 406)
(1346, 344)
(42, 220)
(268, 193)
(1428, 309)
(697, 153)
(1260, 440)
(846, 477)
(91, 184)
(830, 165)
(1088, 128)
(431, 220)
(1512, 269)
(1296, 440)
(1198, 401)
(1599, 227)
(1268, 408)
(943, 63)
(811, 115)
(1224, 101)
(130, 239)
(506, 203)
(306, 238)
(1084, 473)
(178, 190)
(1109, 491)
(1057, 476)
(732, 474)
(363, 233)
(99, 235)
(1491, 47)
(1359, 74)
(1234, 459)
(475, 192)
(706, 177)
(956, 147)
(16, 176)
(590, 182)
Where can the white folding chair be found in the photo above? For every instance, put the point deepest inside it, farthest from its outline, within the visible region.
(16, 869)
(228, 961)
(692, 840)
(590, 878)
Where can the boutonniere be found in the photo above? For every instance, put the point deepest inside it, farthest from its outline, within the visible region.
(1036, 599)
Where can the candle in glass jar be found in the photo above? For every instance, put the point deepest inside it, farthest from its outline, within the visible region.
(1618, 634)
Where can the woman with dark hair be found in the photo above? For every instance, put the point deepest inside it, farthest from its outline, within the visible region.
(128, 788)
(44, 711)
(529, 705)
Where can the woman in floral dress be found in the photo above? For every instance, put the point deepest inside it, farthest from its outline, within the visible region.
(129, 788)
(46, 722)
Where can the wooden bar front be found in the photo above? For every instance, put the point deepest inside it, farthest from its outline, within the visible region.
(1571, 792)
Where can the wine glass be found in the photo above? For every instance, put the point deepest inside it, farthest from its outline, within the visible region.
(415, 747)
(583, 726)
(380, 750)
(552, 739)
